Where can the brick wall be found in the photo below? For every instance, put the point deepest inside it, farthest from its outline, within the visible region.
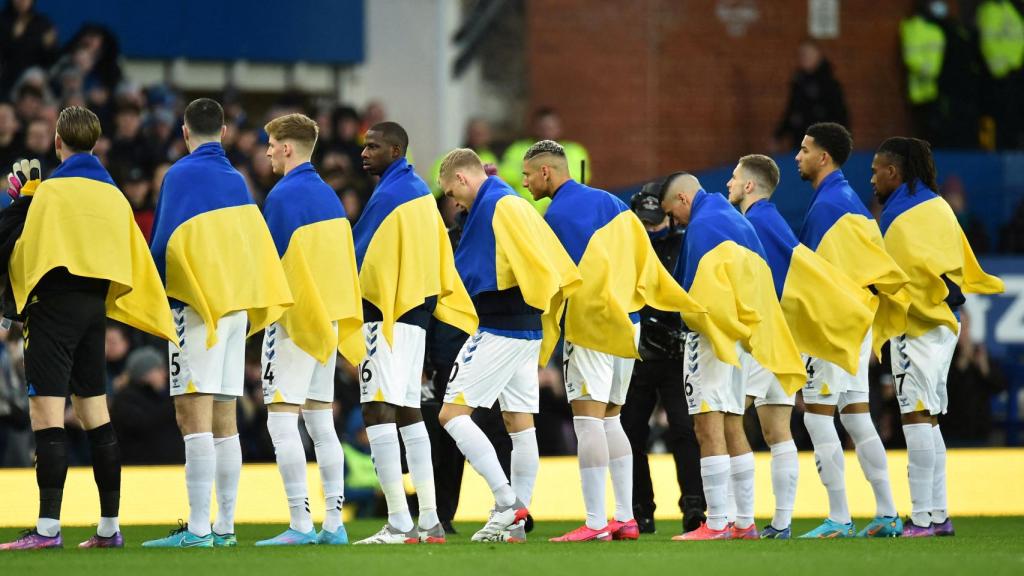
(654, 86)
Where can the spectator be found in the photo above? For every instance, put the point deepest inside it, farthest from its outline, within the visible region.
(814, 96)
(117, 347)
(11, 141)
(27, 39)
(129, 149)
(15, 427)
(143, 412)
(28, 101)
(136, 188)
(954, 193)
(39, 144)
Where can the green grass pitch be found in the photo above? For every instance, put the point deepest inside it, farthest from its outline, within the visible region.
(984, 546)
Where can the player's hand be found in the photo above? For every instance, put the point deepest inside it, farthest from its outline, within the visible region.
(25, 177)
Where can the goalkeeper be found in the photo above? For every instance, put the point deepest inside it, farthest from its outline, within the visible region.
(659, 378)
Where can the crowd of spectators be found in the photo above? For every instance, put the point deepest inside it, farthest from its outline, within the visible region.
(141, 127)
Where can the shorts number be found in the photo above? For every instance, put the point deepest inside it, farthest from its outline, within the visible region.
(687, 387)
(899, 383)
(268, 374)
(364, 373)
(175, 366)
(810, 369)
(455, 372)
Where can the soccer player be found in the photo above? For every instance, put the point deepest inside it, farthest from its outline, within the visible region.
(923, 236)
(827, 315)
(518, 275)
(74, 256)
(407, 273)
(840, 229)
(219, 264)
(621, 274)
(724, 267)
(314, 240)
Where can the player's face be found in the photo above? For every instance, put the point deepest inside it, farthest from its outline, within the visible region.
(809, 158)
(276, 152)
(377, 154)
(883, 178)
(534, 180)
(456, 188)
(735, 186)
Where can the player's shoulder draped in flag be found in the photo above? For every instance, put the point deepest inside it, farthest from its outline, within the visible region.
(505, 244)
(79, 220)
(212, 246)
(840, 229)
(723, 266)
(314, 240)
(827, 313)
(404, 254)
(621, 272)
(922, 234)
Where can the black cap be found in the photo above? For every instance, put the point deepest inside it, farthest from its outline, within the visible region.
(646, 204)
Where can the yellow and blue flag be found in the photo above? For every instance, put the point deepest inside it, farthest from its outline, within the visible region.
(212, 246)
(620, 270)
(314, 240)
(506, 244)
(922, 234)
(724, 267)
(404, 254)
(828, 315)
(79, 220)
(841, 230)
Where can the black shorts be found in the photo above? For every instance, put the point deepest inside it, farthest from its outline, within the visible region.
(65, 342)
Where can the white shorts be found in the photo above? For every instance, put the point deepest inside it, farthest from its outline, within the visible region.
(710, 384)
(830, 385)
(593, 375)
(493, 368)
(392, 375)
(195, 368)
(762, 385)
(290, 374)
(920, 367)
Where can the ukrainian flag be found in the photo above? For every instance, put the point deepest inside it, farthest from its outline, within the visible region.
(404, 254)
(621, 272)
(922, 235)
(723, 266)
(828, 315)
(79, 220)
(505, 243)
(314, 240)
(841, 230)
(211, 244)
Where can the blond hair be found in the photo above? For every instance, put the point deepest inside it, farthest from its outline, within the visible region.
(459, 159)
(78, 128)
(296, 127)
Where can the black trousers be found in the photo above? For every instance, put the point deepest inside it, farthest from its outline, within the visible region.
(449, 462)
(654, 381)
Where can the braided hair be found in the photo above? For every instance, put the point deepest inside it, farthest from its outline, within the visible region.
(913, 157)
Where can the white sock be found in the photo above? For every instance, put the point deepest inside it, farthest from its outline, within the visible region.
(714, 471)
(730, 502)
(741, 476)
(387, 460)
(479, 451)
(592, 450)
(108, 526)
(620, 464)
(525, 463)
(785, 471)
(871, 455)
(920, 471)
(828, 455)
(939, 512)
(421, 468)
(291, 463)
(200, 468)
(229, 469)
(48, 527)
(330, 458)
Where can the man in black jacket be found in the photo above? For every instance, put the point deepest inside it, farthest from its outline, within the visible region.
(659, 378)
